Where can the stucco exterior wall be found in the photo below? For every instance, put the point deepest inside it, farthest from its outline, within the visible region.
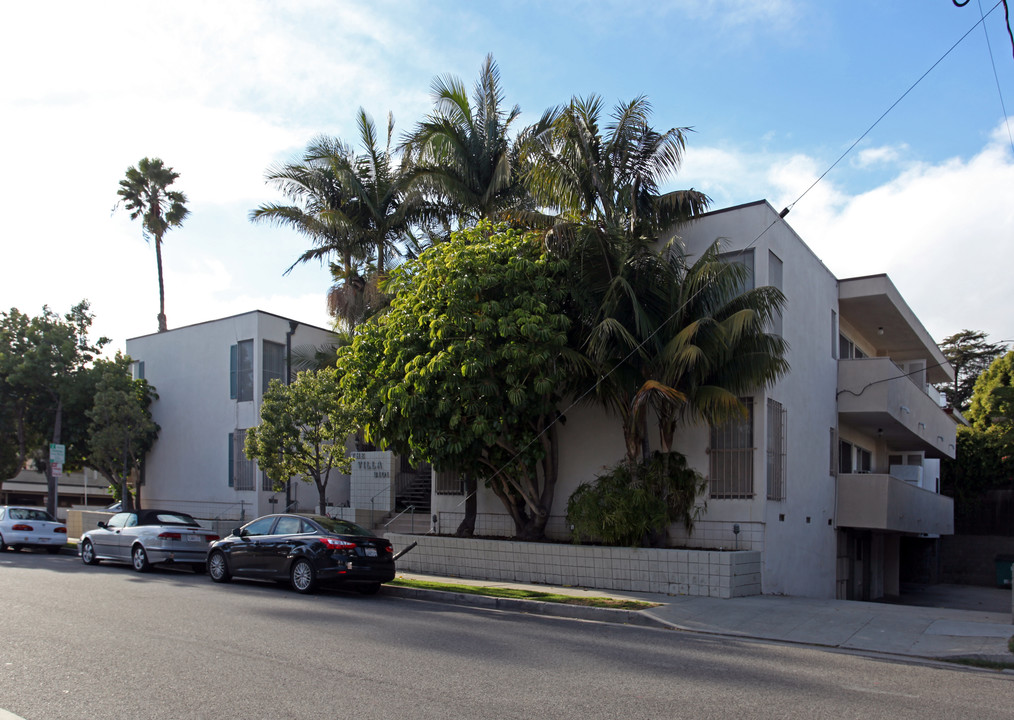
(190, 368)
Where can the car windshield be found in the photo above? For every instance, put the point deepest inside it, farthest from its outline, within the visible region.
(341, 527)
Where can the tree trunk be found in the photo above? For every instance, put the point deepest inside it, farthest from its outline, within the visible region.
(467, 526)
(162, 326)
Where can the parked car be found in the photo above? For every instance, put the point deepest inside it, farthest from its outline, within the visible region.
(148, 537)
(28, 527)
(305, 550)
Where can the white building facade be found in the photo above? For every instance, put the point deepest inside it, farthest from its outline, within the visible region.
(836, 468)
(210, 378)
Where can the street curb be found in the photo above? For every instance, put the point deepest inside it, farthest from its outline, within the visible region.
(530, 607)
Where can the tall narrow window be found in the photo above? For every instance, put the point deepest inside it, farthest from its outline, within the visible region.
(273, 364)
(731, 456)
(241, 474)
(744, 258)
(776, 450)
(834, 334)
(241, 371)
(775, 281)
(845, 457)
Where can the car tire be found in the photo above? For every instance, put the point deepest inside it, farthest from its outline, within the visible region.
(139, 559)
(303, 576)
(369, 588)
(3, 548)
(88, 553)
(218, 567)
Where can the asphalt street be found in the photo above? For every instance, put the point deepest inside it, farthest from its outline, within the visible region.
(82, 642)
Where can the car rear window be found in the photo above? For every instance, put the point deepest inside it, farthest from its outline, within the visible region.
(341, 527)
(176, 519)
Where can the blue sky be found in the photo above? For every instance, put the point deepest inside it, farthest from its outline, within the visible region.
(775, 90)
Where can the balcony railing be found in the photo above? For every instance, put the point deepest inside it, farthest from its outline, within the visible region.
(881, 502)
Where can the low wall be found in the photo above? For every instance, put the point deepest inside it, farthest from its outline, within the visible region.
(81, 521)
(707, 573)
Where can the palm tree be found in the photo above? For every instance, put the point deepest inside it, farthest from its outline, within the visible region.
(347, 204)
(144, 193)
(462, 158)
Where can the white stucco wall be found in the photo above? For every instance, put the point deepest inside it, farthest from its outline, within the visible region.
(189, 368)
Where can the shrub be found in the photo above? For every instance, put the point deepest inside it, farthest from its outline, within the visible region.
(635, 506)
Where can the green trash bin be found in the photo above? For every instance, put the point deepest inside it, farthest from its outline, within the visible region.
(1003, 570)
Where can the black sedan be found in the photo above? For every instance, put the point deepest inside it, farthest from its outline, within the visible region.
(306, 550)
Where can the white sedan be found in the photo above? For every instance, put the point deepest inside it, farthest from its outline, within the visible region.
(28, 527)
(147, 537)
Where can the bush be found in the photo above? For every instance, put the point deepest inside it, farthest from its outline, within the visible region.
(635, 506)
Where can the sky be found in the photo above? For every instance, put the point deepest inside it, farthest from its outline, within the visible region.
(775, 91)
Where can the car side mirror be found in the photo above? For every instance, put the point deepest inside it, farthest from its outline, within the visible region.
(238, 532)
(102, 524)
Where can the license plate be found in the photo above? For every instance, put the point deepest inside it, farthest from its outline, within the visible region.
(193, 538)
(371, 552)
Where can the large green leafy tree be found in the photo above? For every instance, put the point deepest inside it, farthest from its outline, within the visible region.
(969, 353)
(121, 431)
(349, 205)
(45, 375)
(146, 195)
(467, 367)
(303, 430)
(985, 453)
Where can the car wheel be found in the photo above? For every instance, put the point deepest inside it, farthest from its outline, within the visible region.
(139, 559)
(88, 553)
(303, 576)
(3, 548)
(218, 568)
(369, 588)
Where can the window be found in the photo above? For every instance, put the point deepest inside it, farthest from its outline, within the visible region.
(259, 527)
(449, 482)
(775, 281)
(731, 456)
(848, 350)
(834, 334)
(854, 459)
(744, 258)
(138, 369)
(241, 371)
(241, 470)
(287, 526)
(267, 484)
(776, 450)
(273, 364)
(833, 466)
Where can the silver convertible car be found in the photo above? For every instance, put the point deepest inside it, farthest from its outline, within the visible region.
(148, 537)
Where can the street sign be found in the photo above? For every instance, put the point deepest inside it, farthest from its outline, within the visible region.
(57, 453)
(56, 469)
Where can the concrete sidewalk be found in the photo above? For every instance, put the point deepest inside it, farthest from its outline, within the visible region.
(923, 632)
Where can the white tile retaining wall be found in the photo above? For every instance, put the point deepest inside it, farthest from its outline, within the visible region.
(707, 573)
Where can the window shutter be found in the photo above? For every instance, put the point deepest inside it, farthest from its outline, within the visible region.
(231, 460)
(233, 381)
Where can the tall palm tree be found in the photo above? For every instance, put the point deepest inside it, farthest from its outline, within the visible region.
(144, 192)
(347, 204)
(463, 160)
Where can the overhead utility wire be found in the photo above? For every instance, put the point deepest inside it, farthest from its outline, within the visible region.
(894, 104)
(996, 77)
(781, 216)
(1006, 17)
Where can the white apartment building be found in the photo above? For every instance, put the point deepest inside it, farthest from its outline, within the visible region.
(834, 476)
(210, 378)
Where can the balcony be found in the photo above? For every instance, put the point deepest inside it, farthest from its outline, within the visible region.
(883, 502)
(876, 398)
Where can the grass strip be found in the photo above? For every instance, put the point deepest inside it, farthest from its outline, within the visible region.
(521, 594)
(982, 663)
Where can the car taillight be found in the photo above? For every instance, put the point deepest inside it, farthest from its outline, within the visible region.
(387, 548)
(335, 544)
(21, 527)
(60, 529)
(211, 538)
(170, 535)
